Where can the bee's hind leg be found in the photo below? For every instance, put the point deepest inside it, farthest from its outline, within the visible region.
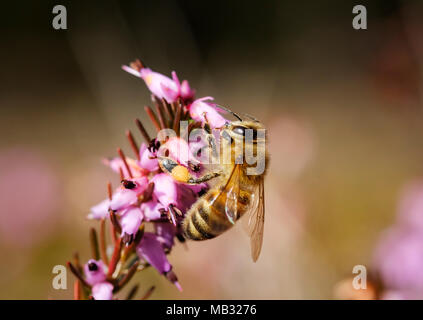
(206, 177)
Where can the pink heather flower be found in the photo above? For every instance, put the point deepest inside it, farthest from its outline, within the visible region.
(179, 150)
(95, 271)
(131, 220)
(206, 112)
(399, 259)
(152, 251)
(148, 159)
(124, 197)
(186, 92)
(188, 194)
(165, 234)
(102, 291)
(100, 210)
(151, 209)
(162, 86)
(165, 189)
(116, 164)
(95, 275)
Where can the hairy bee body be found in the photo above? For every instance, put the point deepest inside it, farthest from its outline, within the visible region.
(208, 217)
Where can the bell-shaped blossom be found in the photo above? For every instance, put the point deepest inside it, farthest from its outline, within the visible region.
(152, 251)
(102, 291)
(126, 197)
(165, 189)
(165, 233)
(186, 92)
(100, 210)
(95, 271)
(179, 150)
(95, 275)
(131, 220)
(162, 86)
(148, 159)
(187, 195)
(206, 112)
(152, 209)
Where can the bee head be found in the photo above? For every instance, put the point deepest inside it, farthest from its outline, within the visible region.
(240, 130)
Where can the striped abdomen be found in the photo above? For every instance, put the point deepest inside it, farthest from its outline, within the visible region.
(207, 218)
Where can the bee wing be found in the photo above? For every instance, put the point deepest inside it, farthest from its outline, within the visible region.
(232, 195)
(255, 222)
(231, 192)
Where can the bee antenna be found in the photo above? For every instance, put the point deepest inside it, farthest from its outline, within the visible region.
(231, 112)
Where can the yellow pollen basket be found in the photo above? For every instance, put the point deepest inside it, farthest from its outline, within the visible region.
(180, 173)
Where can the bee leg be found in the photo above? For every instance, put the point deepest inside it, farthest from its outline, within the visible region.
(212, 145)
(206, 125)
(206, 177)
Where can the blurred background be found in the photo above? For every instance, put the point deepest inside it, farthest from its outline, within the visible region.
(343, 108)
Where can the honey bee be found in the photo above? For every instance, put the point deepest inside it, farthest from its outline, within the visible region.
(239, 187)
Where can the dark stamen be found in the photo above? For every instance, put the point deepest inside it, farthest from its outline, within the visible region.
(92, 266)
(127, 239)
(172, 217)
(175, 210)
(128, 184)
(137, 65)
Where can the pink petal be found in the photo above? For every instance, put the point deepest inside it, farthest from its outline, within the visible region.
(132, 71)
(123, 198)
(179, 150)
(102, 291)
(148, 159)
(165, 233)
(131, 220)
(116, 164)
(202, 111)
(95, 276)
(185, 91)
(100, 210)
(151, 209)
(165, 189)
(155, 82)
(152, 251)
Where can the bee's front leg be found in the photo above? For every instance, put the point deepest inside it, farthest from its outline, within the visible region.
(181, 173)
